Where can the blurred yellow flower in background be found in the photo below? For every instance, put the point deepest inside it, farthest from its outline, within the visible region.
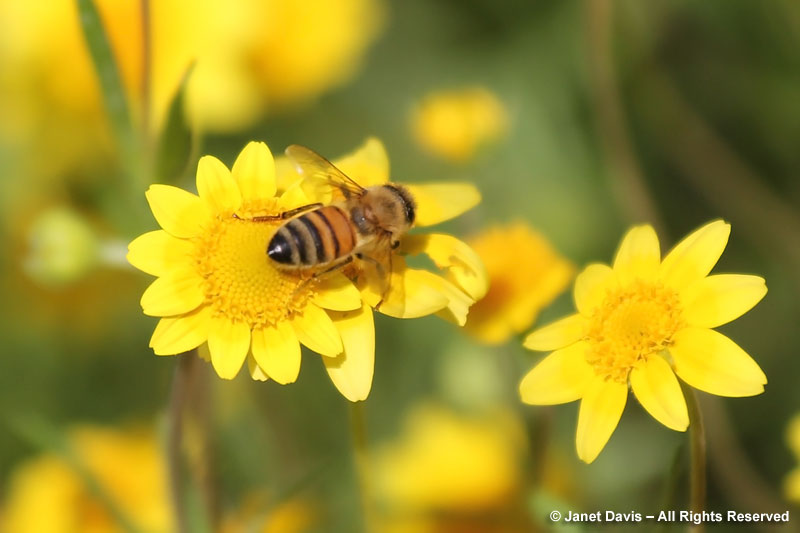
(249, 56)
(791, 484)
(452, 472)
(525, 274)
(455, 124)
(640, 323)
(215, 282)
(259, 514)
(46, 495)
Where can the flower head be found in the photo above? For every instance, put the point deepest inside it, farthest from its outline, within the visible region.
(639, 324)
(455, 124)
(216, 284)
(525, 274)
(128, 466)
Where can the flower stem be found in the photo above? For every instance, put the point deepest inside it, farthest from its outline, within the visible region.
(697, 456)
(358, 429)
(177, 403)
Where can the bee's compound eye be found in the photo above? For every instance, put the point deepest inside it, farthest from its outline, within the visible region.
(279, 249)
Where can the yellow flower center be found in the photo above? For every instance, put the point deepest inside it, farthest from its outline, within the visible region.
(241, 282)
(632, 323)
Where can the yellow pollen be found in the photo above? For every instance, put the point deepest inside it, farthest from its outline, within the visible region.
(241, 282)
(631, 324)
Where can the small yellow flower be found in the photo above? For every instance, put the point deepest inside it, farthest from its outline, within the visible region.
(791, 484)
(639, 324)
(45, 494)
(525, 274)
(451, 472)
(455, 124)
(216, 284)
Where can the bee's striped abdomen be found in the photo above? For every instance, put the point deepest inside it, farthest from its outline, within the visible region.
(315, 238)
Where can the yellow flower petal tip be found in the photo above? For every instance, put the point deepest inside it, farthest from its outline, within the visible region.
(644, 323)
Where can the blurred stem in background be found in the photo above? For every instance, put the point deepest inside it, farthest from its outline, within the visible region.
(358, 428)
(622, 167)
(177, 404)
(146, 90)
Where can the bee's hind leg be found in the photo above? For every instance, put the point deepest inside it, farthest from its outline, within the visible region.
(317, 275)
(285, 215)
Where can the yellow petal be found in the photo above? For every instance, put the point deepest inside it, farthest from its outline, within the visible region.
(216, 186)
(710, 361)
(158, 252)
(560, 377)
(179, 212)
(461, 263)
(174, 335)
(716, 300)
(414, 293)
(458, 303)
(591, 286)
(351, 371)
(557, 335)
(639, 255)
(179, 292)
(254, 171)
(368, 165)
(695, 256)
(228, 343)
(336, 292)
(315, 329)
(277, 352)
(657, 389)
(437, 202)
(255, 371)
(599, 414)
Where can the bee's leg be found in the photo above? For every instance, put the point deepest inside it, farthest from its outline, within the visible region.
(283, 216)
(382, 274)
(333, 268)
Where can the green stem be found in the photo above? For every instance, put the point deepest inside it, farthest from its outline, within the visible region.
(358, 429)
(697, 456)
(177, 405)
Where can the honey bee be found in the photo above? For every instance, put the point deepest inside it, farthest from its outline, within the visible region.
(364, 223)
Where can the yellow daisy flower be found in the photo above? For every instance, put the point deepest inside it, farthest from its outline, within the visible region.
(525, 274)
(639, 323)
(216, 284)
(791, 484)
(455, 124)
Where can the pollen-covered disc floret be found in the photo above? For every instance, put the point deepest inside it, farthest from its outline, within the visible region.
(643, 324)
(631, 324)
(239, 282)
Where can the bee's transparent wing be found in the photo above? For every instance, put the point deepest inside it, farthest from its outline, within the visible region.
(322, 181)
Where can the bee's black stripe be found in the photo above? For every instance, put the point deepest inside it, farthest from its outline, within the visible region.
(298, 241)
(320, 213)
(315, 236)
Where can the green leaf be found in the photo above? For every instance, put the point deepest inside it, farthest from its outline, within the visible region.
(113, 92)
(48, 438)
(175, 145)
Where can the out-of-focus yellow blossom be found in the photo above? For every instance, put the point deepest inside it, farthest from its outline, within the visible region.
(45, 494)
(791, 485)
(62, 247)
(455, 124)
(638, 325)
(525, 274)
(450, 472)
(216, 283)
(259, 515)
(249, 56)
